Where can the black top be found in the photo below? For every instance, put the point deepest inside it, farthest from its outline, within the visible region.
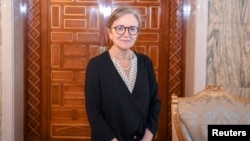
(112, 110)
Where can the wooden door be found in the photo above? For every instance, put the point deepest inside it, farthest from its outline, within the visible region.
(63, 35)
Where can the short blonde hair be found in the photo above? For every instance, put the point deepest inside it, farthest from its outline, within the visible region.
(120, 11)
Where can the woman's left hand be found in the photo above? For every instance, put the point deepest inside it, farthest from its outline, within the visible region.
(148, 136)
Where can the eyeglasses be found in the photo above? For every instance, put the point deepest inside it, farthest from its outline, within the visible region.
(120, 29)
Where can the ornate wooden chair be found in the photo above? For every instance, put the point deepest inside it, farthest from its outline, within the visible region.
(213, 105)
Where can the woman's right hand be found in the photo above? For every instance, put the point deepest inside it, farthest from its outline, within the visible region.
(114, 139)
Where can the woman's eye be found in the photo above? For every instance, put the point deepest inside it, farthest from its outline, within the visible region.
(132, 29)
(120, 28)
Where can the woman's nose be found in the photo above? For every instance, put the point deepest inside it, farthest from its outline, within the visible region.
(126, 33)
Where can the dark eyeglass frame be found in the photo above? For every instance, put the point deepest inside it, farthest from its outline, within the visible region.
(129, 29)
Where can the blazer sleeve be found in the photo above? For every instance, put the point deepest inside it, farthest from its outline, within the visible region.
(100, 128)
(155, 104)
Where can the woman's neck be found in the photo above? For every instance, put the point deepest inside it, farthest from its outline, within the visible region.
(121, 54)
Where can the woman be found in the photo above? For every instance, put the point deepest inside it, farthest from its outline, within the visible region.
(121, 90)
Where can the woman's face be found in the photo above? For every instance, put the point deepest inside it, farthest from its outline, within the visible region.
(126, 40)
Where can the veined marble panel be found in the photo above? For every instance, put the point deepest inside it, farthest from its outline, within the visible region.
(228, 51)
(229, 11)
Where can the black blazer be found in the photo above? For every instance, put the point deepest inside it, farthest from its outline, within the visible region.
(112, 110)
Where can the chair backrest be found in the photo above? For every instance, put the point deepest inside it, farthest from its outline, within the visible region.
(213, 105)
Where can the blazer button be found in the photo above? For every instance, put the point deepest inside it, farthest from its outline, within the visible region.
(135, 137)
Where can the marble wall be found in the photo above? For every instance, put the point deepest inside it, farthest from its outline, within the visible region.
(228, 48)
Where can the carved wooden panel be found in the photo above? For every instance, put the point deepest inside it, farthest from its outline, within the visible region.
(33, 79)
(74, 39)
(176, 52)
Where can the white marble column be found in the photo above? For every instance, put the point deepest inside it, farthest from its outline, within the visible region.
(7, 71)
(196, 13)
(0, 71)
(12, 70)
